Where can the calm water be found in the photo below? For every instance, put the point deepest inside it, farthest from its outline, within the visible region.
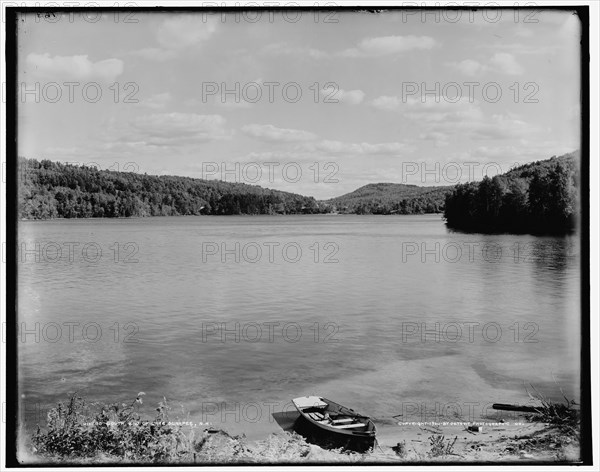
(373, 311)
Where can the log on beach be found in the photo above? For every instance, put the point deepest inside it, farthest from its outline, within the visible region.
(524, 408)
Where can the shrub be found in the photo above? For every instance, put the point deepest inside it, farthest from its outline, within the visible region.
(117, 430)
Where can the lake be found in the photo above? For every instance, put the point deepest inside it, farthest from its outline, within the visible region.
(231, 317)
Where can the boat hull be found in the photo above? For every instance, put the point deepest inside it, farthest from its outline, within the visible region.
(332, 425)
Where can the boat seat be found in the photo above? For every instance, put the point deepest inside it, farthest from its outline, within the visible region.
(347, 426)
(342, 421)
(315, 415)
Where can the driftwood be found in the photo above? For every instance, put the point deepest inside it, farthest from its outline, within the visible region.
(524, 408)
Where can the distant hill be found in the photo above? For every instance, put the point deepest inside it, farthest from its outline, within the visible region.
(540, 197)
(54, 190)
(390, 198)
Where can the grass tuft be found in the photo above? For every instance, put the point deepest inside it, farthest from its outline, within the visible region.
(561, 415)
(440, 446)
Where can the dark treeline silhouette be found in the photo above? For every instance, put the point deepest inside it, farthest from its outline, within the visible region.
(540, 197)
(389, 198)
(53, 190)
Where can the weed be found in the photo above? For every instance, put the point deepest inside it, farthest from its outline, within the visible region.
(440, 446)
(563, 416)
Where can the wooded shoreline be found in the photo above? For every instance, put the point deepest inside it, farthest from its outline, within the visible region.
(538, 198)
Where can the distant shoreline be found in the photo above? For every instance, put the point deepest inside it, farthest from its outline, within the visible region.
(537, 198)
(301, 215)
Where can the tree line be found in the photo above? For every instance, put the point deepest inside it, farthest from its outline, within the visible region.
(50, 189)
(540, 197)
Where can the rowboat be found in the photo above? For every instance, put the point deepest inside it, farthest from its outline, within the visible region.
(333, 418)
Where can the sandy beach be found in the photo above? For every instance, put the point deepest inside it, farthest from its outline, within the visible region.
(408, 414)
(523, 443)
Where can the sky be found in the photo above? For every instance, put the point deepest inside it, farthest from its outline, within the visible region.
(311, 103)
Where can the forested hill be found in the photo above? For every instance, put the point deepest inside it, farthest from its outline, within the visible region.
(388, 198)
(53, 190)
(541, 197)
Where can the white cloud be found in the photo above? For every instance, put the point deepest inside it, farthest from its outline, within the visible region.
(351, 97)
(495, 152)
(389, 45)
(368, 47)
(441, 117)
(470, 67)
(155, 54)
(387, 102)
(430, 108)
(501, 62)
(522, 48)
(307, 143)
(174, 129)
(74, 67)
(157, 101)
(506, 63)
(443, 109)
(177, 33)
(339, 147)
(523, 32)
(276, 155)
(232, 103)
(273, 134)
(285, 49)
(521, 152)
(229, 101)
(146, 138)
(500, 127)
(439, 139)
